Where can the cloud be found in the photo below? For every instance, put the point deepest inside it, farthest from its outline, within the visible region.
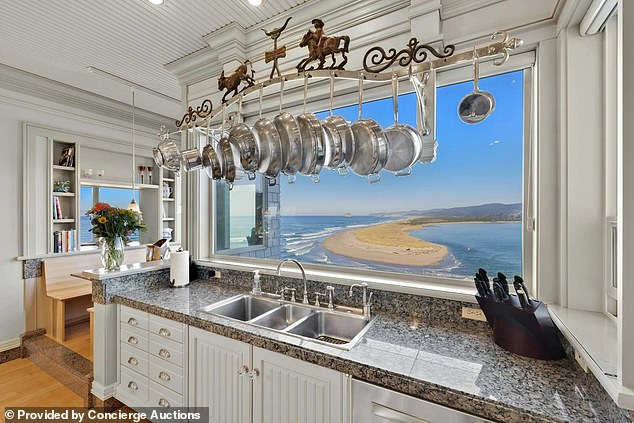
(495, 142)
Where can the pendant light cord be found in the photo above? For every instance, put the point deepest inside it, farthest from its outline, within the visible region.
(133, 138)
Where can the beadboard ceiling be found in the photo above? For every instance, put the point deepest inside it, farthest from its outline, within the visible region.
(132, 39)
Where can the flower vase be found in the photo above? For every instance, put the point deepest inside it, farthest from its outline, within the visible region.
(112, 250)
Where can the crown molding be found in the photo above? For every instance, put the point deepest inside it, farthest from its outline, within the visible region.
(26, 83)
(464, 6)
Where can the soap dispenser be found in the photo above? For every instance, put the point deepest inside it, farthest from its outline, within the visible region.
(256, 283)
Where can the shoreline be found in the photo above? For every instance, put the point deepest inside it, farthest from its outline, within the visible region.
(392, 243)
(387, 243)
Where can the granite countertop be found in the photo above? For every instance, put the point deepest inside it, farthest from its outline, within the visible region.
(443, 363)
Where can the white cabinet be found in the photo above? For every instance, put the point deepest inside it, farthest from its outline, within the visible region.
(152, 353)
(291, 390)
(244, 384)
(217, 377)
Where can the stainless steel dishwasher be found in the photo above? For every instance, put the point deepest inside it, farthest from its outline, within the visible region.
(371, 404)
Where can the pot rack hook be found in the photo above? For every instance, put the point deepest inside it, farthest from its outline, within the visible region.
(361, 76)
(261, 92)
(305, 90)
(332, 88)
(476, 68)
(505, 53)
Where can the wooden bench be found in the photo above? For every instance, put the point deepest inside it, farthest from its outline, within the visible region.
(62, 299)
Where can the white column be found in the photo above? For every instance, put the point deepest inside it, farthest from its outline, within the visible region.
(625, 142)
(105, 351)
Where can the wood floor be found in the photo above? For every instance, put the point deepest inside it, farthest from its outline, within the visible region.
(23, 384)
(78, 339)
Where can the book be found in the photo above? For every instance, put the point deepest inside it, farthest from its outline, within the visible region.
(58, 209)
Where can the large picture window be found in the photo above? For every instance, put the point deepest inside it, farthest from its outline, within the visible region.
(116, 197)
(447, 219)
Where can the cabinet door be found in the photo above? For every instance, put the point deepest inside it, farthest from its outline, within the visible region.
(288, 390)
(214, 379)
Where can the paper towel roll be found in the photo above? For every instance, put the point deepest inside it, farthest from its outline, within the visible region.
(179, 268)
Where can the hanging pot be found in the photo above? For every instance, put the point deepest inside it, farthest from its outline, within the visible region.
(312, 137)
(242, 138)
(404, 141)
(338, 139)
(167, 156)
(370, 151)
(191, 160)
(211, 162)
(269, 144)
(478, 105)
(290, 139)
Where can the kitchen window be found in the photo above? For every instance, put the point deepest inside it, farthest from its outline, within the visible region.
(444, 221)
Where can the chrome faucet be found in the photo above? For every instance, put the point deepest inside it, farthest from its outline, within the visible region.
(366, 298)
(301, 268)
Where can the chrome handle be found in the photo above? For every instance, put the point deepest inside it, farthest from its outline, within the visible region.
(164, 403)
(164, 377)
(133, 340)
(164, 332)
(243, 370)
(133, 386)
(317, 295)
(132, 321)
(164, 353)
(254, 373)
(133, 361)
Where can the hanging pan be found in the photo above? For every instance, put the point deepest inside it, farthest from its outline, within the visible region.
(426, 117)
(404, 142)
(269, 144)
(211, 160)
(477, 105)
(370, 151)
(338, 138)
(243, 141)
(290, 140)
(312, 136)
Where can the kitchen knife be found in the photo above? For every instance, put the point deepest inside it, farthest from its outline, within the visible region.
(519, 280)
(498, 292)
(503, 294)
(503, 282)
(485, 286)
(484, 278)
(521, 295)
(481, 291)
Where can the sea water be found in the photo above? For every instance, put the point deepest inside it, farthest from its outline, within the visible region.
(497, 247)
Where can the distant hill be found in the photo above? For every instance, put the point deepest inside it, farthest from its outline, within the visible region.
(492, 211)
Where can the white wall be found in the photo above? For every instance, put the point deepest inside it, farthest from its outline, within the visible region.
(16, 108)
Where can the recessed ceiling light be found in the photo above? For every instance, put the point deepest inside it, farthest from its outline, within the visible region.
(157, 2)
(256, 3)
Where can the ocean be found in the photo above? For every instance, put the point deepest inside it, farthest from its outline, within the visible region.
(496, 247)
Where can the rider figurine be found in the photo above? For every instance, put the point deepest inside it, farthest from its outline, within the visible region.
(318, 34)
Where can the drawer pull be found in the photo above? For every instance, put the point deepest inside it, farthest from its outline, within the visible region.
(132, 321)
(164, 403)
(133, 340)
(164, 353)
(254, 373)
(133, 361)
(164, 332)
(164, 377)
(243, 370)
(133, 386)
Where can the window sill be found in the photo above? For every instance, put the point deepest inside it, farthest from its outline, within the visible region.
(594, 338)
(417, 285)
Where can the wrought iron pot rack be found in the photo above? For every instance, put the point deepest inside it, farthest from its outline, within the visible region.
(412, 59)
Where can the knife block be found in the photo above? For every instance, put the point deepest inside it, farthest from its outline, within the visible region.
(525, 331)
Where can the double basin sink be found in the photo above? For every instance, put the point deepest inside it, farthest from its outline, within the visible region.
(336, 328)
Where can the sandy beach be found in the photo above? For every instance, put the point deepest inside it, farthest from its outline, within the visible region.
(388, 243)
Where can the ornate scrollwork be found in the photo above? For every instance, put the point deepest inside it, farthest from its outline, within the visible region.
(191, 115)
(379, 59)
(507, 44)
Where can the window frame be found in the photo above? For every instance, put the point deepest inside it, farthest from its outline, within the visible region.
(455, 289)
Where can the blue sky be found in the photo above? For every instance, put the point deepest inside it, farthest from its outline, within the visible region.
(475, 164)
(116, 197)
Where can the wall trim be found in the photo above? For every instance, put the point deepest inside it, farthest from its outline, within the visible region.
(19, 81)
(104, 392)
(10, 344)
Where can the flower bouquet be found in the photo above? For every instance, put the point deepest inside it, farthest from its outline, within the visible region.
(113, 226)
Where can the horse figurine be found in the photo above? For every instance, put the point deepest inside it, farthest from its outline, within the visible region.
(232, 82)
(320, 46)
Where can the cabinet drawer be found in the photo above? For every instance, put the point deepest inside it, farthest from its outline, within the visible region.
(167, 350)
(134, 336)
(134, 317)
(163, 397)
(134, 386)
(167, 329)
(134, 359)
(166, 374)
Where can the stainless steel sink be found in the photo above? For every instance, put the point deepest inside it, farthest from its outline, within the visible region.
(283, 316)
(331, 327)
(244, 307)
